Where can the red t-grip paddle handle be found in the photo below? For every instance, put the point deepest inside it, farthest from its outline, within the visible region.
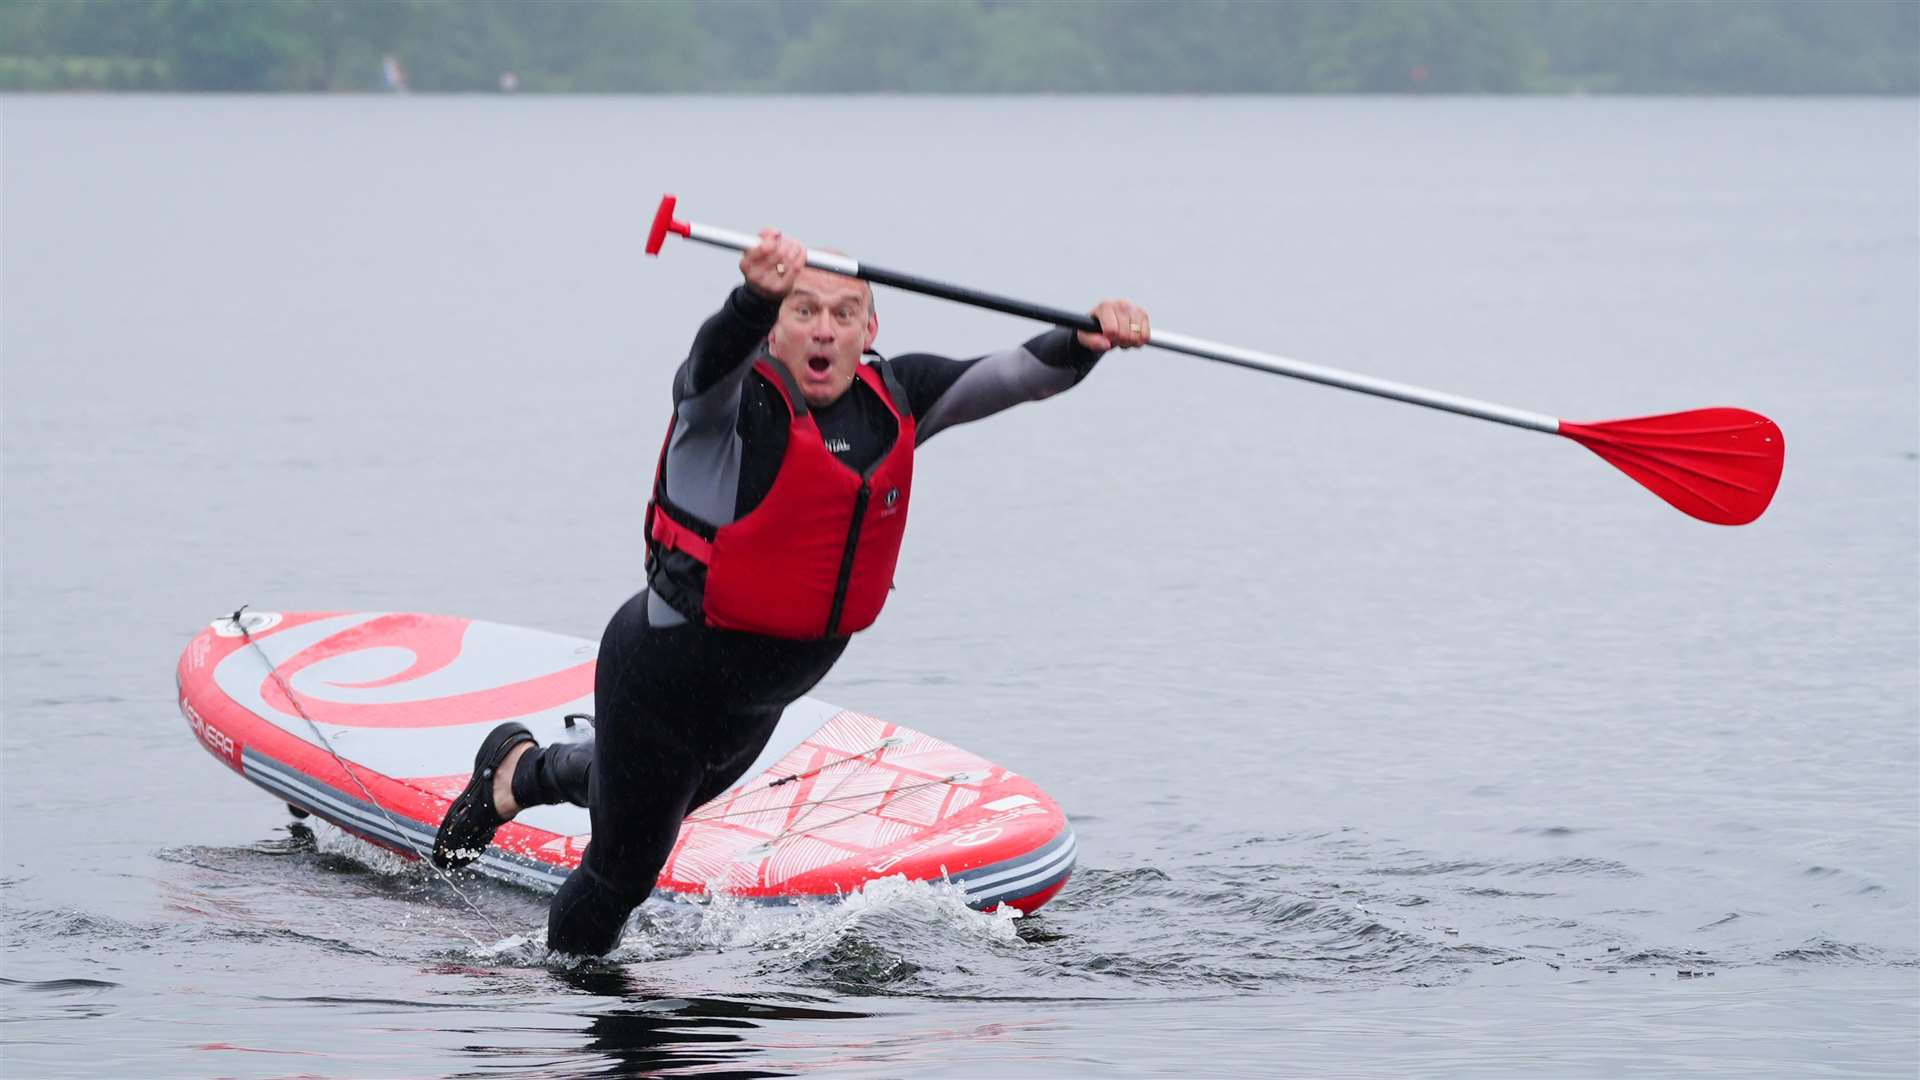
(663, 223)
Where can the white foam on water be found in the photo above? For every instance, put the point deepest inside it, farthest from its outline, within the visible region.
(330, 839)
(788, 934)
(892, 912)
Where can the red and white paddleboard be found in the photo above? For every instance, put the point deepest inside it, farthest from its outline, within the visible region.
(837, 798)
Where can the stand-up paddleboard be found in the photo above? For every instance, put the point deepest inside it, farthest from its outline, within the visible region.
(370, 721)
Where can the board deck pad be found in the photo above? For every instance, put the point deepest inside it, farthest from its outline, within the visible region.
(835, 800)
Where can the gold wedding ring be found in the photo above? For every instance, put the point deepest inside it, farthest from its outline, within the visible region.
(781, 268)
(1135, 327)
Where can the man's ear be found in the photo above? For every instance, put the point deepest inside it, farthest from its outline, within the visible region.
(873, 330)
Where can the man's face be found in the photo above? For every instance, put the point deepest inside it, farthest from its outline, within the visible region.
(826, 323)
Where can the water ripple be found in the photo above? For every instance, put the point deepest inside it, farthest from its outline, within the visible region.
(60, 986)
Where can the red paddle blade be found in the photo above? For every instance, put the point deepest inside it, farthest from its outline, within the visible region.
(1720, 465)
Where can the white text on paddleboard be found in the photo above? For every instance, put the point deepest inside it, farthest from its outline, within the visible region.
(213, 738)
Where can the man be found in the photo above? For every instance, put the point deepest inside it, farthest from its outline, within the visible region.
(778, 507)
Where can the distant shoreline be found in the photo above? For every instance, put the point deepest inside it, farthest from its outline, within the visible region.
(1684, 48)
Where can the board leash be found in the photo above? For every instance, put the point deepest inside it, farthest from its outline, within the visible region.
(273, 670)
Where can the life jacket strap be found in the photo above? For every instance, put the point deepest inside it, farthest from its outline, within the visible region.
(672, 535)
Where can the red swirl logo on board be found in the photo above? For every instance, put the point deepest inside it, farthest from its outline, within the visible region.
(435, 641)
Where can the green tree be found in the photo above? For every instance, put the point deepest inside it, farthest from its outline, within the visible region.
(220, 45)
(868, 45)
(969, 46)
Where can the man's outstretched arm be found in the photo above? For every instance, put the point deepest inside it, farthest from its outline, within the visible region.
(944, 392)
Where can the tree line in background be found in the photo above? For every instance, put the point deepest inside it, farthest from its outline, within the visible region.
(965, 46)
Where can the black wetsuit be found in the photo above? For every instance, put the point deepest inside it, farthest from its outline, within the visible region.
(682, 709)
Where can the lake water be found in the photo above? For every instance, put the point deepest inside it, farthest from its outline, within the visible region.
(1396, 743)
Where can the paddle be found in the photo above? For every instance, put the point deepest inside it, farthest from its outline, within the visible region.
(1719, 465)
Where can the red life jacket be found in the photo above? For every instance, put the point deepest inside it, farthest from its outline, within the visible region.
(815, 558)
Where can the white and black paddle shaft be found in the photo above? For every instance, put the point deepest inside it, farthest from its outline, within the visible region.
(1718, 464)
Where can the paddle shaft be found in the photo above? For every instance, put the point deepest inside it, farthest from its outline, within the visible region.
(1180, 343)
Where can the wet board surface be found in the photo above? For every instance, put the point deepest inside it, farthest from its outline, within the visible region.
(405, 699)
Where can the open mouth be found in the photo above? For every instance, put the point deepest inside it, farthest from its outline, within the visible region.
(819, 365)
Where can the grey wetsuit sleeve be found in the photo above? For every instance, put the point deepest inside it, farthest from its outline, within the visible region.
(704, 453)
(950, 392)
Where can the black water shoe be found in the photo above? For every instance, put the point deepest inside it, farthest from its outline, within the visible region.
(472, 820)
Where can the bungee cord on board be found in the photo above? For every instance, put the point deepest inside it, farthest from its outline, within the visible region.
(889, 796)
(833, 796)
(273, 671)
(885, 795)
(886, 798)
(884, 744)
